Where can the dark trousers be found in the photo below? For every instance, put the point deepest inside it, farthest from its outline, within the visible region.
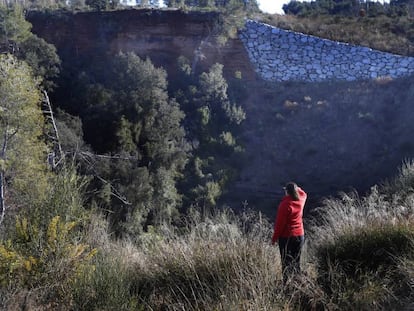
(290, 250)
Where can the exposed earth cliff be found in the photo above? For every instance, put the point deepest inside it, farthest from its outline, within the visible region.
(161, 35)
(328, 137)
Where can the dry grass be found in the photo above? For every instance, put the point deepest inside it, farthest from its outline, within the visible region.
(363, 246)
(214, 265)
(358, 256)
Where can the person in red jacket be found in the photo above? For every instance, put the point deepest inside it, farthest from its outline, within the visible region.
(288, 229)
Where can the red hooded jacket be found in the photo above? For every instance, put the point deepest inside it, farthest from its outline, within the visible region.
(289, 217)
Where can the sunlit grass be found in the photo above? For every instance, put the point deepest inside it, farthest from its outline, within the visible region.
(358, 256)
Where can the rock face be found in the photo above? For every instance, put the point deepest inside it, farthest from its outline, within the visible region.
(161, 35)
(329, 137)
(281, 55)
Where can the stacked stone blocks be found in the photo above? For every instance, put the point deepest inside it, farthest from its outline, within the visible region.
(282, 55)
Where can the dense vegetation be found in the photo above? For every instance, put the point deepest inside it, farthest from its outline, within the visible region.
(125, 214)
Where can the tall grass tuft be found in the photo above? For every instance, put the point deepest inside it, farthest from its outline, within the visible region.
(359, 245)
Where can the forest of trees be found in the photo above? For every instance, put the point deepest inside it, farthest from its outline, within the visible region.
(349, 8)
(102, 5)
(159, 153)
(150, 149)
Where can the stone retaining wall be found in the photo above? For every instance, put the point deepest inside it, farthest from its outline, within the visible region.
(282, 55)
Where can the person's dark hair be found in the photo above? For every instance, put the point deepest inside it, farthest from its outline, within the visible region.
(291, 189)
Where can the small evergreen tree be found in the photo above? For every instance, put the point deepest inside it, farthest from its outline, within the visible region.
(98, 5)
(139, 129)
(212, 122)
(22, 154)
(42, 58)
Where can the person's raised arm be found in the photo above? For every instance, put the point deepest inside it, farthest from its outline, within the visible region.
(302, 194)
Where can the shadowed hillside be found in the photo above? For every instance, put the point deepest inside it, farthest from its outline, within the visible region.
(327, 136)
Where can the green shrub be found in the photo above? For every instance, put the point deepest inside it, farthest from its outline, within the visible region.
(43, 260)
(360, 268)
(362, 248)
(370, 249)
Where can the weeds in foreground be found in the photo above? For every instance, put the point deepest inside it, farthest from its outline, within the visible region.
(212, 266)
(359, 256)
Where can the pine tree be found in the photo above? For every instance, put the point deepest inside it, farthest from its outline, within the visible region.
(22, 154)
(212, 120)
(138, 127)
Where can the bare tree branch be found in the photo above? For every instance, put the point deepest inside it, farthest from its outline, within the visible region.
(115, 192)
(102, 156)
(87, 156)
(2, 203)
(3, 158)
(55, 138)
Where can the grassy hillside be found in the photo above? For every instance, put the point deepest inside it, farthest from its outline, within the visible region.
(393, 34)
